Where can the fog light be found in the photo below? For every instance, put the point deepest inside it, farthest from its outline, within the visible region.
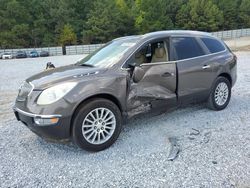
(47, 121)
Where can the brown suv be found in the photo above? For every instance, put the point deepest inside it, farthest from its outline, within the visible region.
(89, 100)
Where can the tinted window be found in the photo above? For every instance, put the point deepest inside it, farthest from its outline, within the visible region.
(187, 47)
(213, 45)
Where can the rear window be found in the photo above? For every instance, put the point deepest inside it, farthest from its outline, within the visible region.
(213, 45)
(187, 47)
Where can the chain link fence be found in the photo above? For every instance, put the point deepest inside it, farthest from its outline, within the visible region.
(56, 51)
(87, 49)
(232, 34)
(53, 51)
(82, 49)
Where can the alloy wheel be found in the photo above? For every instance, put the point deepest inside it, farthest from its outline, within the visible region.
(98, 126)
(221, 94)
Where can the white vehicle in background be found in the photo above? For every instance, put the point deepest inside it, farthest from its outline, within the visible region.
(7, 55)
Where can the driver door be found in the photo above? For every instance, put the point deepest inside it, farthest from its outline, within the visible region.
(153, 80)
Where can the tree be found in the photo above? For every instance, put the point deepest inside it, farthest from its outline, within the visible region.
(36, 23)
(80, 10)
(152, 16)
(101, 25)
(21, 35)
(244, 15)
(13, 23)
(67, 36)
(230, 13)
(199, 15)
(173, 8)
(125, 18)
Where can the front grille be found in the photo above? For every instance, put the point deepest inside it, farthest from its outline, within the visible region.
(24, 90)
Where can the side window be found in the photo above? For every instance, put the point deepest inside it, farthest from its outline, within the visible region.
(186, 47)
(153, 52)
(213, 45)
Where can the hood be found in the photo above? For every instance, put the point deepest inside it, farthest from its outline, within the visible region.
(51, 77)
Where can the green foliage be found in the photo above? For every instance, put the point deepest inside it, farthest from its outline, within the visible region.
(152, 16)
(107, 20)
(100, 25)
(245, 13)
(67, 36)
(199, 15)
(35, 23)
(230, 13)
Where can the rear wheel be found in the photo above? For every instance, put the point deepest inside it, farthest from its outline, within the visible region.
(220, 94)
(97, 125)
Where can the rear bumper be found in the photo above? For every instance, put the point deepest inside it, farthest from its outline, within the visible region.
(57, 131)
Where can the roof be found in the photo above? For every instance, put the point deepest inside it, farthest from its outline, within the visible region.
(164, 34)
(177, 32)
(132, 37)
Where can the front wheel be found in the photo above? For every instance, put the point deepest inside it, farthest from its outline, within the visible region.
(97, 125)
(220, 94)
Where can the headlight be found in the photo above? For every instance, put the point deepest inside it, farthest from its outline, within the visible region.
(55, 93)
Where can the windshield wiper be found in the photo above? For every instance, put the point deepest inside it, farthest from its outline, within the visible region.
(86, 65)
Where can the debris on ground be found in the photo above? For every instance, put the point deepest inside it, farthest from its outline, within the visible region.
(194, 132)
(214, 162)
(175, 149)
(207, 137)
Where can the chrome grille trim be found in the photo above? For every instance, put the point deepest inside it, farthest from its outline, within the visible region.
(25, 90)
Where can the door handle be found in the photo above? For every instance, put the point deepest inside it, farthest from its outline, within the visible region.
(167, 74)
(206, 67)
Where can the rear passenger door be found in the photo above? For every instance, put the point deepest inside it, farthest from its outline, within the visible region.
(195, 72)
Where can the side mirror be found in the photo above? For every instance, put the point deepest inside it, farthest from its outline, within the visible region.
(132, 63)
(138, 74)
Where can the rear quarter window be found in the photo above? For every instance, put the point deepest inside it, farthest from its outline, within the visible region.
(186, 47)
(213, 45)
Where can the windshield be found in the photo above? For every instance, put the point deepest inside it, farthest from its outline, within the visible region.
(109, 54)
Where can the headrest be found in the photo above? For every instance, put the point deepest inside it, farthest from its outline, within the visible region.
(138, 55)
(159, 52)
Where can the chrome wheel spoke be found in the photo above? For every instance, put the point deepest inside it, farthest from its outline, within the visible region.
(109, 118)
(103, 136)
(87, 126)
(88, 131)
(99, 137)
(99, 125)
(94, 137)
(93, 117)
(102, 111)
(107, 113)
(106, 132)
(97, 114)
(88, 120)
(110, 128)
(110, 122)
(90, 135)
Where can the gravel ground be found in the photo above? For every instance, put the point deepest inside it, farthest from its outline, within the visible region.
(215, 146)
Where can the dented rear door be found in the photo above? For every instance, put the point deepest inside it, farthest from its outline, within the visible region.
(155, 90)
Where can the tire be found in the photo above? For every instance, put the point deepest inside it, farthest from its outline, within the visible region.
(214, 103)
(85, 124)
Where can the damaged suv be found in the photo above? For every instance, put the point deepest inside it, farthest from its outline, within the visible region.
(88, 101)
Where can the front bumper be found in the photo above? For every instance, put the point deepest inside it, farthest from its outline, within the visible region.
(59, 130)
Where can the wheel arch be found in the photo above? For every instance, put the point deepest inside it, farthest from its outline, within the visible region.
(227, 76)
(103, 96)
